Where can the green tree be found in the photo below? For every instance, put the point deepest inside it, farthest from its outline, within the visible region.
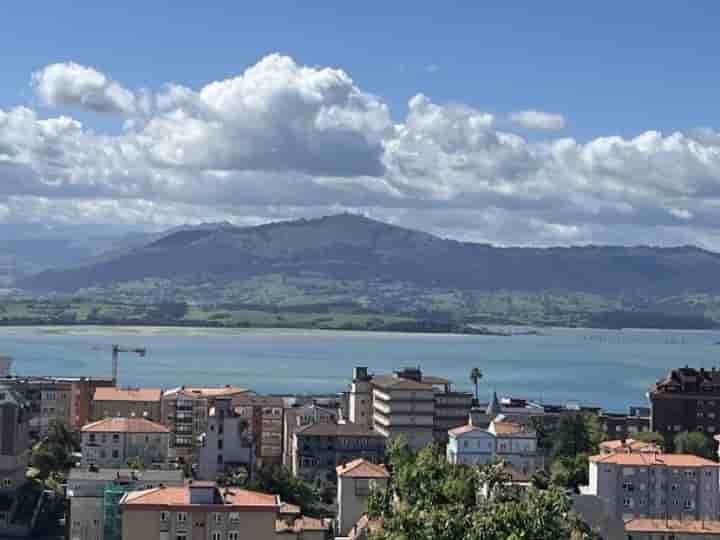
(577, 434)
(280, 481)
(136, 463)
(54, 453)
(429, 499)
(570, 472)
(695, 443)
(650, 437)
(476, 376)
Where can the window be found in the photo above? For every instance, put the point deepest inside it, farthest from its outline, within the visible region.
(181, 536)
(220, 444)
(7, 483)
(217, 517)
(234, 516)
(689, 504)
(628, 486)
(216, 535)
(91, 437)
(116, 437)
(116, 454)
(233, 535)
(163, 516)
(362, 487)
(627, 502)
(182, 517)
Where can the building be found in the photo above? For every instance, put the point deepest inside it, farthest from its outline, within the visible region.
(185, 411)
(418, 407)
(63, 399)
(319, 448)
(5, 365)
(111, 442)
(654, 485)
(227, 444)
(625, 425)
(356, 480)
(14, 439)
(627, 446)
(672, 529)
(264, 415)
(688, 399)
(512, 443)
(89, 492)
(304, 415)
(127, 403)
(203, 511)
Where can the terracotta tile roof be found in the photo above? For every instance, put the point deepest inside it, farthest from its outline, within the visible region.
(506, 428)
(124, 425)
(287, 508)
(109, 393)
(300, 524)
(212, 391)
(629, 446)
(362, 468)
(180, 496)
(465, 429)
(672, 526)
(649, 459)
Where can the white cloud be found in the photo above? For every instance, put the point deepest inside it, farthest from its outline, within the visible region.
(70, 84)
(538, 120)
(282, 140)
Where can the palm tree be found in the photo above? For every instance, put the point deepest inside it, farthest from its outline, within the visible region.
(475, 376)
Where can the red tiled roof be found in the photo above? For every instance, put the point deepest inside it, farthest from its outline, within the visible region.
(124, 425)
(180, 496)
(361, 468)
(287, 508)
(649, 459)
(465, 429)
(109, 393)
(672, 526)
(629, 446)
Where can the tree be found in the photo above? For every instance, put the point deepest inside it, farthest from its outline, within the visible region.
(570, 472)
(577, 434)
(650, 437)
(695, 443)
(136, 463)
(54, 453)
(476, 376)
(280, 481)
(430, 499)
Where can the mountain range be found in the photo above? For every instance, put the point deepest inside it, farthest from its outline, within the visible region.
(348, 258)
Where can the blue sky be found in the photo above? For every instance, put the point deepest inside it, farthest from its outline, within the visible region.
(611, 69)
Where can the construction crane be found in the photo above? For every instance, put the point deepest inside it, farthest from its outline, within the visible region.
(116, 350)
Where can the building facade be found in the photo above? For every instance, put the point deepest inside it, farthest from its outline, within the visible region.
(356, 480)
(264, 415)
(656, 486)
(185, 411)
(663, 529)
(86, 492)
(319, 448)
(202, 511)
(687, 399)
(14, 439)
(296, 417)
(407, 403)
(109, 402)
(112, 442)
(227, 444)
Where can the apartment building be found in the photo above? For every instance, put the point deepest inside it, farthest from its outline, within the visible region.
(418, 407)
(14, 439)
(672, 529)
(64, 399)
(625, 425)
(296, 417)
(655, 486)
(203, 511)
(687, 399)
(227, 444)
(109, 402)
(514, 444)
(185, 411)
(111, 442)
(355, 481)
(264, 415)
(92, 492)
(319, 448)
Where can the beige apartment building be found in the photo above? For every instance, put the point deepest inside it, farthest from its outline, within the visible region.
(111, 402)
(355, 481)
(111, 442)
(185, 410)
(203, 511)
(418, 407)
(264, 415)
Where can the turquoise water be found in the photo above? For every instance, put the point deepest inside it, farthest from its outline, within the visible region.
(608, 368)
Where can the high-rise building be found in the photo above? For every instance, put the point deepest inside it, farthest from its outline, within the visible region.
(407, 403)
(127, 402)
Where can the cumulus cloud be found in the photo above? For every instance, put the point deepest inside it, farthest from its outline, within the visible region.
(73, 85)
(538, 120)
(282, 140)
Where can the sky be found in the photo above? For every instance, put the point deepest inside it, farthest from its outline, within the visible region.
(515, 123)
